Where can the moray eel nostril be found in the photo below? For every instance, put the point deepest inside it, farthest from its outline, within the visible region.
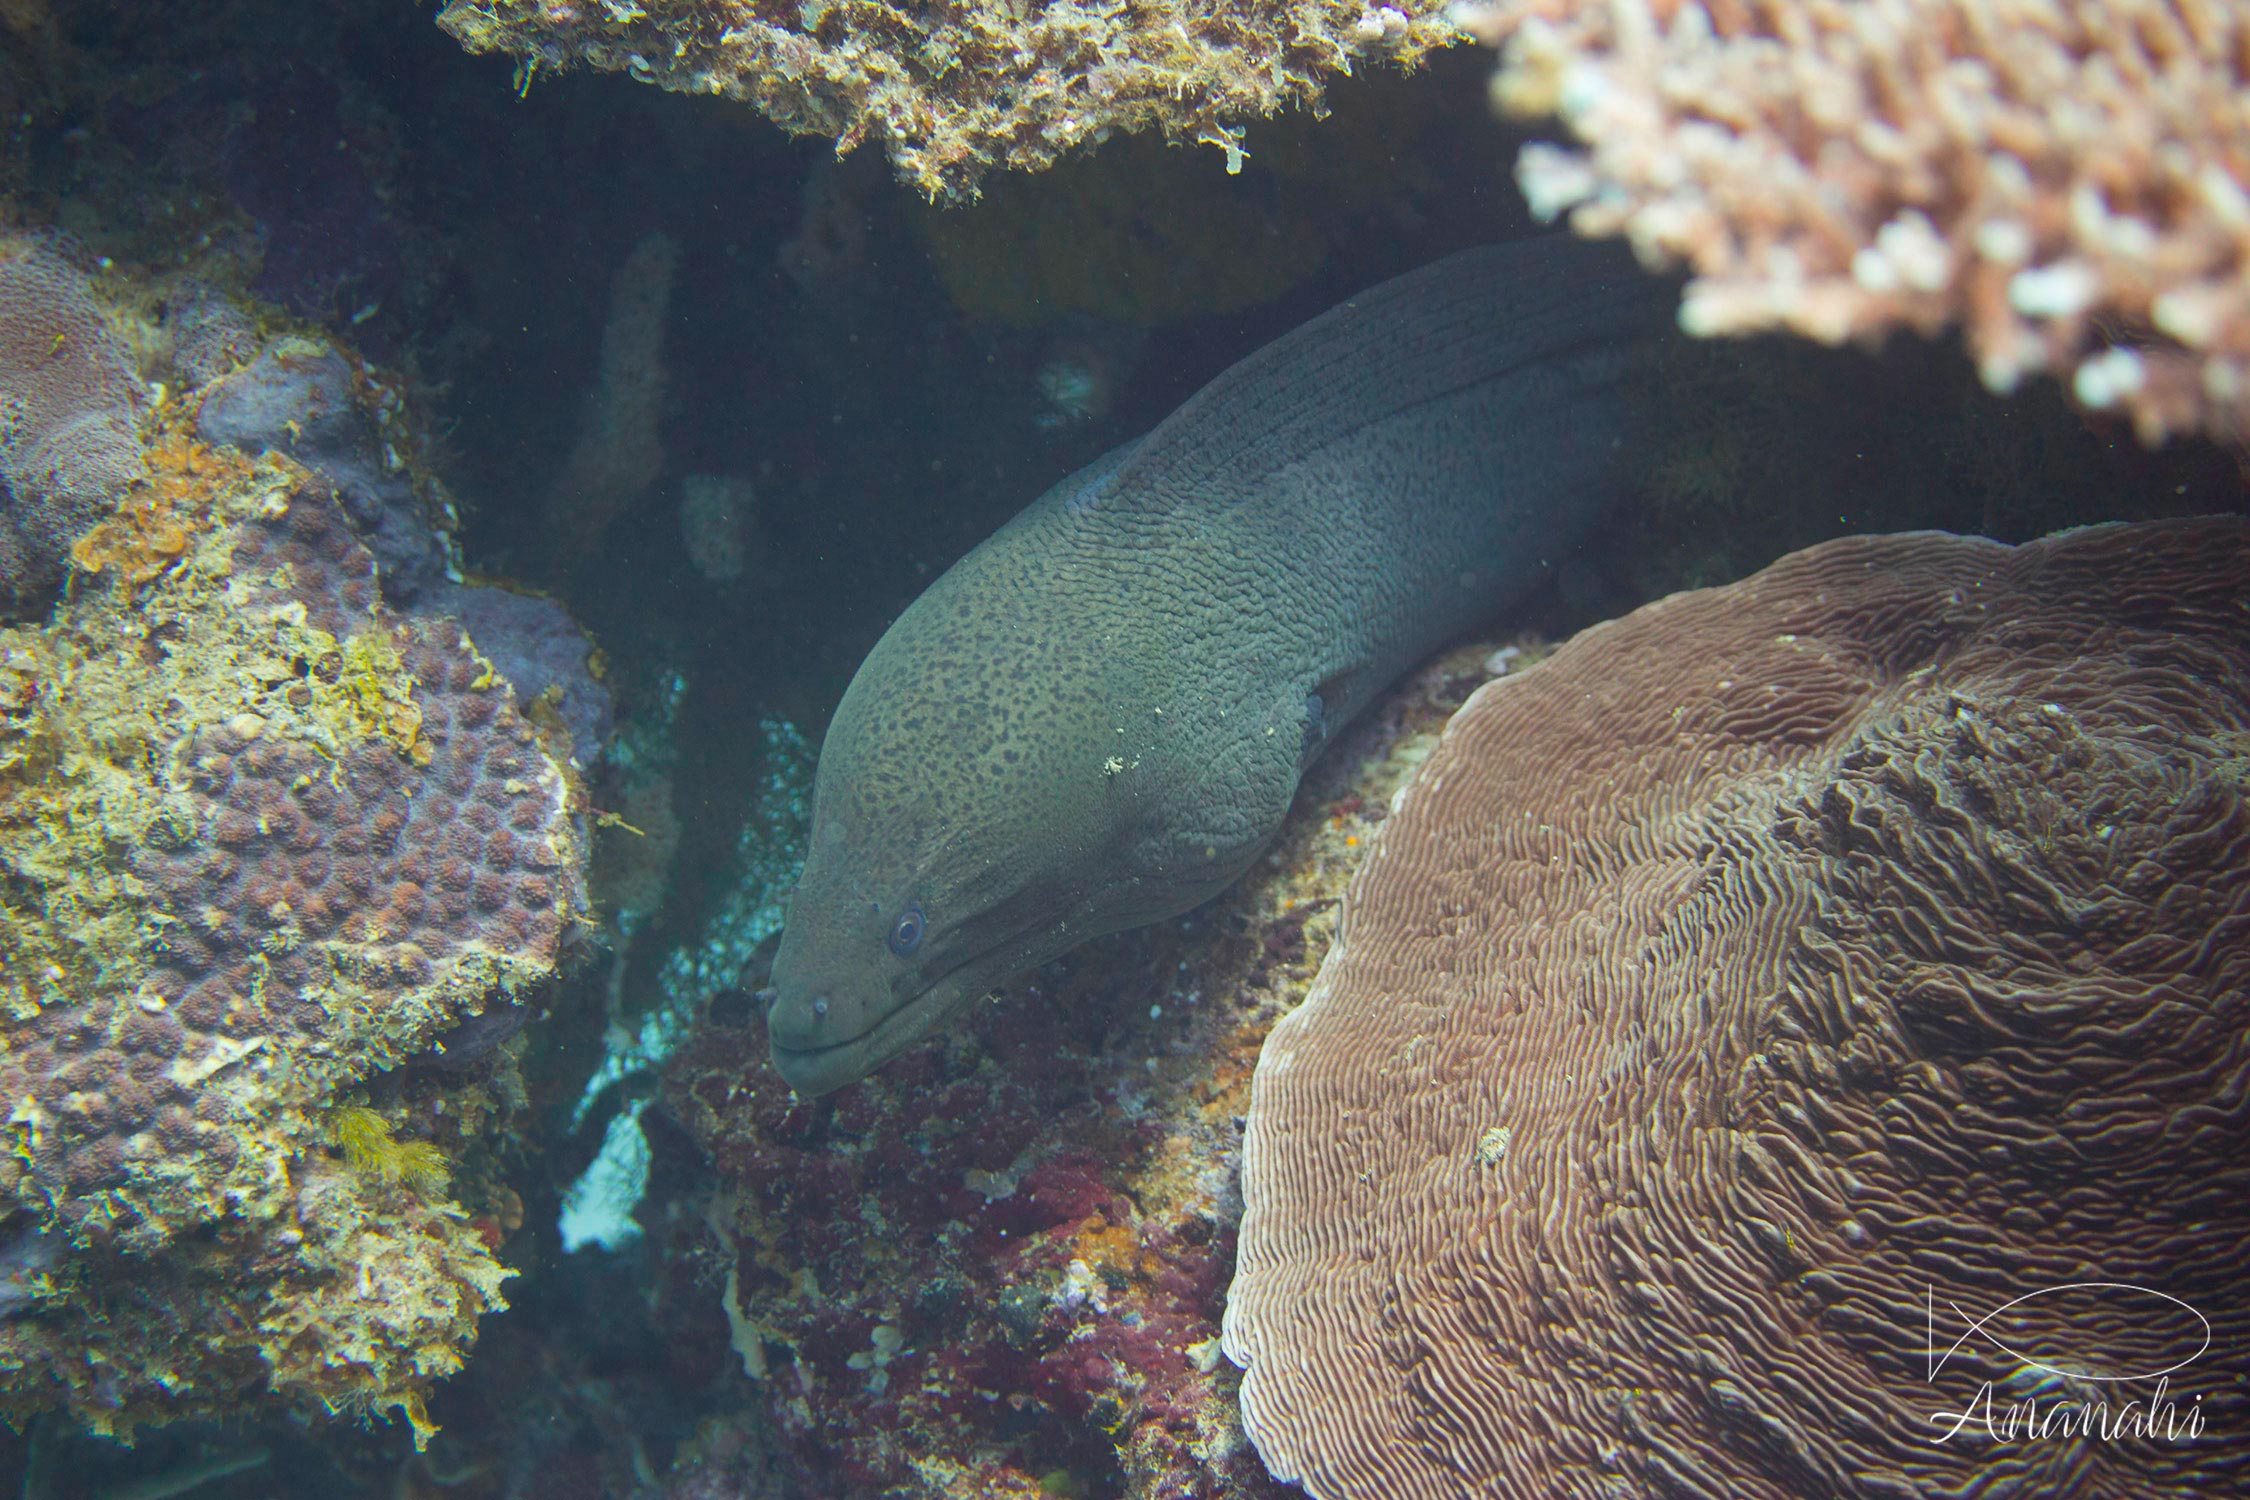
(1098, 718)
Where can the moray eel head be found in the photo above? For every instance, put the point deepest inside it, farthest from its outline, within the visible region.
(951, 845)
(883, 947)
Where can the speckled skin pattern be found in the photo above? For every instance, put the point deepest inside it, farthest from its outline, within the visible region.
(1098, 718)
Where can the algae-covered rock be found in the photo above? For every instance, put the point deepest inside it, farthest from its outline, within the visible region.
(260, 839)
(954, 91)
(996, 1267)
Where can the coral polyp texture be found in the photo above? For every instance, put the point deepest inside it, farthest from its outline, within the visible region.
(2068, 181)
(1759, 978)
(69, 414)
(261, 838)
(955, 90)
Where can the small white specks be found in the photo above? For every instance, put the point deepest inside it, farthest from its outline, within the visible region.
(2109, 375)
(2003, 240)
(2062, 290)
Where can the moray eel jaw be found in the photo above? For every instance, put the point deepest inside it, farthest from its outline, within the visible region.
(849, 993)
(817, 1059)
(836, 1016)
(812, 1066)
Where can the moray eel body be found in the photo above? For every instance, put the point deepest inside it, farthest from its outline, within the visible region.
(1098, 718)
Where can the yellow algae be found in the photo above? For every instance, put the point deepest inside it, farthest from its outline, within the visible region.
(373, 1151)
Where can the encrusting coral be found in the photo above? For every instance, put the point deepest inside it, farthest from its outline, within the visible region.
(953, 91)
(1758, 978)
(2069, 180)
(262, 838)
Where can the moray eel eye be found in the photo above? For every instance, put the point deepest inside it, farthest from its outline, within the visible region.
(906, 932)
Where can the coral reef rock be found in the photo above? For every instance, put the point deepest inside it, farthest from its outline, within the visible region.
(304, 398)
(543, 653)
(1767, 985)
(957, 90)
(2071, 181)
(719, 526)
(69, 413)
(261, 838)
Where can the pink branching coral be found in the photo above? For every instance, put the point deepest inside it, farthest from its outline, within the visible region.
(2065, 178)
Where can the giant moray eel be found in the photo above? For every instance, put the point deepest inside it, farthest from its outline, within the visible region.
(1098, 718)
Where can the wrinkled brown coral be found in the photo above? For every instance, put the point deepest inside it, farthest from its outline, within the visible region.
(954, 90)
(2068, 179)
(69, 403)
(1758, 967)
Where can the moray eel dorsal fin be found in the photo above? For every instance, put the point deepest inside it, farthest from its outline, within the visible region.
(1098, 717)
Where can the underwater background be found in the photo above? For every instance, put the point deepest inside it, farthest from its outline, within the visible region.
(676, 412)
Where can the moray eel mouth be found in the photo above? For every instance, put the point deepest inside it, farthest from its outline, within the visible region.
(812, 1071)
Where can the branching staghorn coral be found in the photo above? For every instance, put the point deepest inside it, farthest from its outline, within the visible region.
(2067, 179)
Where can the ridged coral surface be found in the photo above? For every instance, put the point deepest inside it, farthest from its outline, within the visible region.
(2069, 179)
(1758, 978)
(260, 838)
(954, 90)
(69, 404)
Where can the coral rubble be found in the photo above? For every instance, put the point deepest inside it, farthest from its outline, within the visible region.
(2070, 182)
(1762, 977)
(957, 90)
